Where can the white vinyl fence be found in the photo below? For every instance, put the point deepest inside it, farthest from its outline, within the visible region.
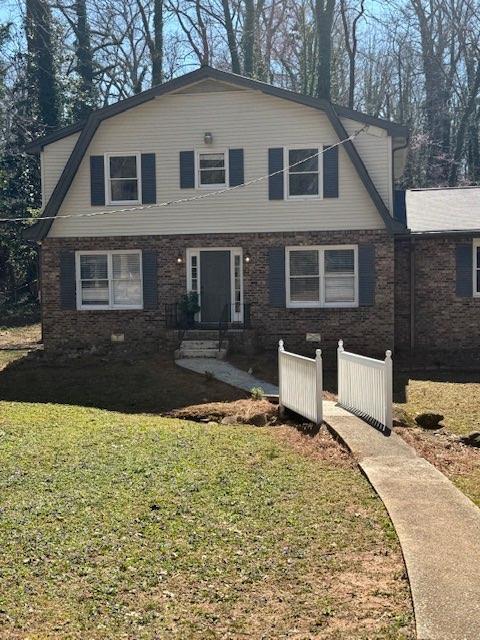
(365, 386)
(300, 384)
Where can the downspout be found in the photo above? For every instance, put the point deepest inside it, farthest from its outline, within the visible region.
(412, 294)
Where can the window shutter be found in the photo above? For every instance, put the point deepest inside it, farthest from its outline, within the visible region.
(187, 169)
(235, 167)
(149, 179)
(68, 285)
(366, 274)
(330, 172)
(276, 276)
(275, 183)
(150, 283)
(464, 270)
(97, 180)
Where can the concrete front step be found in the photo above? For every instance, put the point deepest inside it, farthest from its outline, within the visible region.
(199, 334)
(199, 344)
(219, 354)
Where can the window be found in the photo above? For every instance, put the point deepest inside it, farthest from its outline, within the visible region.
(123, 179)
(303, 174)
(109, 280)
(476, 268)
(322, 276)
(211, 170)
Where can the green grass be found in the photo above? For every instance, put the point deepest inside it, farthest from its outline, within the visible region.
(135, 526)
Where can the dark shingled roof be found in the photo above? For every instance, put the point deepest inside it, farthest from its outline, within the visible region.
(446, 209)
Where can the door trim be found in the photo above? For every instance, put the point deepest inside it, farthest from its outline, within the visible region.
(235, 252)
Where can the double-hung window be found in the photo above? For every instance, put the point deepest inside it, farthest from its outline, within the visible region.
(123, 182)
(211, 169)
(476, 268)
(109, 280)
(303, 174)
(322, 276)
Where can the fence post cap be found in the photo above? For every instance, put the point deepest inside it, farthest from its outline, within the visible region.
(280, 345)
(340, 345)
(318, 353)
(388, 354)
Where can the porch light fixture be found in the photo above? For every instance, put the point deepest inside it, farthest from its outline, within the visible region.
(247, 258)
(179, 259)
(207, 137)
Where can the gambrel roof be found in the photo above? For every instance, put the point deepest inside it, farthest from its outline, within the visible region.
(87, 130)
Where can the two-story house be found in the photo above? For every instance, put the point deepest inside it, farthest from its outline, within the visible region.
(278, 209)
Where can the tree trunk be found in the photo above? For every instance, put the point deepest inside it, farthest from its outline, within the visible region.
(324, 22)
(157, 53)
(42, 81)
(231, 39)
(84, 102)
(249, 38)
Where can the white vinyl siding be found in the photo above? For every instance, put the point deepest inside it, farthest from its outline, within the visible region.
(54, 157)
(322, 276)
(245, 120)
(109, 279)
(375, 148)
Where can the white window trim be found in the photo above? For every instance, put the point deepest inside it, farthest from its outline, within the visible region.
(111, 306)
(234, 251)
(218, 185)
(321, 303)
(476, 245)
(286, 173)
(107, 157)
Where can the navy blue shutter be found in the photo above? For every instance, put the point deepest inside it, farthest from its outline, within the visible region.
(366, 274)
(275, 183)
(68, 285)
(150, 282)
(464, 270)
(187, 169)
(149, 179)
(276, 276)
(97, 180)
(235, 167)
(330, 172)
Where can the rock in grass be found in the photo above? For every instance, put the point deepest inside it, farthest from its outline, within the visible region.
(472, 439)
(231, 420)
(429, 420)
(258, 419)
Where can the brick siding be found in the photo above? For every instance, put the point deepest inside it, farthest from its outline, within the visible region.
(366, 329)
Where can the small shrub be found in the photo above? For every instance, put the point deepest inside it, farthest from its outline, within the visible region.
(257, 393)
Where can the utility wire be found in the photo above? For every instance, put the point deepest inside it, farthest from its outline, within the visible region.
(207, 194)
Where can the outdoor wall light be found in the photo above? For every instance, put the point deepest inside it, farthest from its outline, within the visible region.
(207, 137)
(248, 258)
(179, 259)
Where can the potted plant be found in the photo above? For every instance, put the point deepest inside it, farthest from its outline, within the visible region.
(189, 307)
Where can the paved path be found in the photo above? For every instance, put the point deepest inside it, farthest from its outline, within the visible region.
(227, 373)
(437, 525)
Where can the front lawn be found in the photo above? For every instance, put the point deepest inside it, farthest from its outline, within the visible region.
(119, 525)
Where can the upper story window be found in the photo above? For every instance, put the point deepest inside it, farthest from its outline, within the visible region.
(211, 170)
(109, 280)
(476, 268)
(322, 276)
(303, 173)
(123, 179)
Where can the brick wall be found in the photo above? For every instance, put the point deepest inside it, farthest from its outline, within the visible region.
(444, 322)
(366, 329)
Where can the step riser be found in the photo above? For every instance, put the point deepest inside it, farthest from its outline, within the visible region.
(199, 344)
(192, 334)
(218, 354)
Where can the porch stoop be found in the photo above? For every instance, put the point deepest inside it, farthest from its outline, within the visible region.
(202, 344)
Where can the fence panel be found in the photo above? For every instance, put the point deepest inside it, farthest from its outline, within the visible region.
(300, 384)
(365, 386)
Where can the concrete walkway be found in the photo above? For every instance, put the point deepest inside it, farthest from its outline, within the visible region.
(227, 373)
(437, 525)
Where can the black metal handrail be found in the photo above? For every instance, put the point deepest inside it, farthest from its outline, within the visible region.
(229, 311)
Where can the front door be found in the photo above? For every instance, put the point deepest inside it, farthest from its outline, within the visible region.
(215, 285)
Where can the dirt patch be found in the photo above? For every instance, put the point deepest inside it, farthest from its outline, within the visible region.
(26, 337)
(243, 411)
(319, 446)
(442, 449)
